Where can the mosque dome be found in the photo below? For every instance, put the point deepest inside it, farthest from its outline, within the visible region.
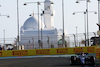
(32, 24)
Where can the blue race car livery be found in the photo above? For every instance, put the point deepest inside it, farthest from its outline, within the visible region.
(82, 59)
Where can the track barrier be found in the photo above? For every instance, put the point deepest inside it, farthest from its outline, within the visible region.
(52, 51)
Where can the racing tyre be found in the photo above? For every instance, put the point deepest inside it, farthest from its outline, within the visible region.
(72, 59)
(92, 59)
(85, 60)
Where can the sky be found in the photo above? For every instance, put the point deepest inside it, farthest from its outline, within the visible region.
(9, 7)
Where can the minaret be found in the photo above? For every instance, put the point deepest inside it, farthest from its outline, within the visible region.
(48, 14)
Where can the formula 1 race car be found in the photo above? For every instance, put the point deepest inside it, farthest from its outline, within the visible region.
(82, 59)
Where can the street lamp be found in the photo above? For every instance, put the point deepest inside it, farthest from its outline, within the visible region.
(32, 3)
(82, 0)
(17, 24)
(38, 3)
(84, 23)
(41, 29)
(76, 37)
(85, 20)
(32, 14)
(99, 13)
(5, 15)
(4, 39)
(99, 19)
(63, 23)
(4, 30)
(41, 26)
(87, 17)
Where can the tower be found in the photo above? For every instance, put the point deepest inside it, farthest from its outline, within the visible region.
(48, 14)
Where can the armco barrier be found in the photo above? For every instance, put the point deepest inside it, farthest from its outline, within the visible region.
(53, 51)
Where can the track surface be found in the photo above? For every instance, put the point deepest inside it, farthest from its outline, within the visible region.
(40, 62)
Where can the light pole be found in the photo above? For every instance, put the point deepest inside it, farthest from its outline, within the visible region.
(87, 17)
(41, 42)
(99, 13)
(84, 23)
(17, 24)
(5, 15)
(76, 36)
(99, 19)
(4, 39)
(63, 23)
(38, 3)
(84, 12)
(74, 40)
(4, 30)
(41, 30)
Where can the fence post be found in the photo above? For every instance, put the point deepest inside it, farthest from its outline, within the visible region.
(85, 38)
(68, 41)
(74, 40)
(95, 37)
(33, 42)
(48, 41)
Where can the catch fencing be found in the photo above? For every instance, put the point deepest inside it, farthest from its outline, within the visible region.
(71, 40)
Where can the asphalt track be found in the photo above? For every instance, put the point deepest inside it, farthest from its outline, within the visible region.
(40, 61)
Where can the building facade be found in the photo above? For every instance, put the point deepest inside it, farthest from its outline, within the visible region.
(44, 36)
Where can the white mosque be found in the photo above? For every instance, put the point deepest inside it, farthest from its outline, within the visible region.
(31, 35)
